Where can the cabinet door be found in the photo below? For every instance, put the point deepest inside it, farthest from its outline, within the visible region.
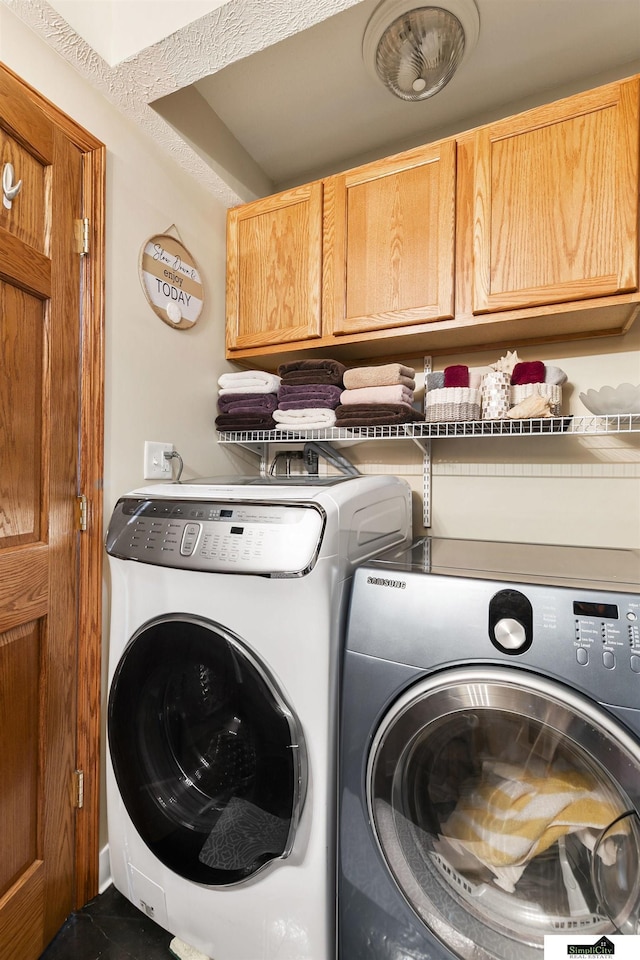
(274, 268)
(556, 202)
(389, 242)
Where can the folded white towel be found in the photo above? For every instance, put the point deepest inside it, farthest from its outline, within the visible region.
(228, 391)
(245, 381)
(396, 393)
(309, 418)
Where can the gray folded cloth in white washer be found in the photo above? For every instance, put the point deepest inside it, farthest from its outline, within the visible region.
(242, 834)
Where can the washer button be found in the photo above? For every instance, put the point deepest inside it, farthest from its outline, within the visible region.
(509, 634)
(608, 659)
(582, 656)
(635, 663)
(189, 538)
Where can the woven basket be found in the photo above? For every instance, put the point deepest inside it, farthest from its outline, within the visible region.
(452, 403)
(551, 391)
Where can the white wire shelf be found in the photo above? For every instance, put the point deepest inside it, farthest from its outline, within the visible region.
(542, 426)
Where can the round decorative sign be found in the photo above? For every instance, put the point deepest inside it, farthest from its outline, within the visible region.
(171, 281)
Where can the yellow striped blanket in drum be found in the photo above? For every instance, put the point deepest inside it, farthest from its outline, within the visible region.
(511, 816)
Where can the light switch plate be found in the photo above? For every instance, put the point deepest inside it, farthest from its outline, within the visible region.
(156, 465)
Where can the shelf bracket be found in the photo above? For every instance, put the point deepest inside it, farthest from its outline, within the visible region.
(426, 483)
(259, 450)
(426, 457)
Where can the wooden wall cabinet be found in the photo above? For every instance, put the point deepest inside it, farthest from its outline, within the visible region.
(274, 269)
(523, 230)
(389, 242)
(556, 202)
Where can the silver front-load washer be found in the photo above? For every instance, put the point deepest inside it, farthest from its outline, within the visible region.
(490, 751)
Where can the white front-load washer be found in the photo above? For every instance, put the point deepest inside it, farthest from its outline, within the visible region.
(228, 603)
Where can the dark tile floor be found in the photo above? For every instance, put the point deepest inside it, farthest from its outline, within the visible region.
(109, 928)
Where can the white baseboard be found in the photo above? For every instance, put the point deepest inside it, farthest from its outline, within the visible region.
(104, 869)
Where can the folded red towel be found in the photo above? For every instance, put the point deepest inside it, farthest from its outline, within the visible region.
(456, 375)
(528, 372)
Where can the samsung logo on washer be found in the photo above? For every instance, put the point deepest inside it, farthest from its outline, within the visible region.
(382, 582)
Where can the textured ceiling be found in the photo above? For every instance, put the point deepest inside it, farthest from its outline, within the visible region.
(258, 94)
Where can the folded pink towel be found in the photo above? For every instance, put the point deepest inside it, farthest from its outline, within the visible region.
(528, 372)
(381, 376)
(396, 393)
(476, 375)
(456, 375)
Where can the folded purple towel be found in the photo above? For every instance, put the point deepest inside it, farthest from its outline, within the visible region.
(309, 391)
(456, 375)
(528, 372)
(244, 421)
(252, 403)
(312, 371)
(305, 404)
(375, 414)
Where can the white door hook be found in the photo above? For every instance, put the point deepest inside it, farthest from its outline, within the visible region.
(10, 190)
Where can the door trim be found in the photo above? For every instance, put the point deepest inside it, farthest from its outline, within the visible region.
(90, 480)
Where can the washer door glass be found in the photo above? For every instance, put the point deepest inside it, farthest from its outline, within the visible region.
(495, 797)
(208, 758)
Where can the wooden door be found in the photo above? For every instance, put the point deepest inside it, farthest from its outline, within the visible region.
(41, 591)
(274, 269)
(556, 202)
(389, 242)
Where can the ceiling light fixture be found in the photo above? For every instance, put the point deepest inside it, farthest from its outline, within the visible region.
(415, 50)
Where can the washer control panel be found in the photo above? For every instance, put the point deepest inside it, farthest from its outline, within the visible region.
(585, 636)
(593, 637)
(608, 633)
(269, 539)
